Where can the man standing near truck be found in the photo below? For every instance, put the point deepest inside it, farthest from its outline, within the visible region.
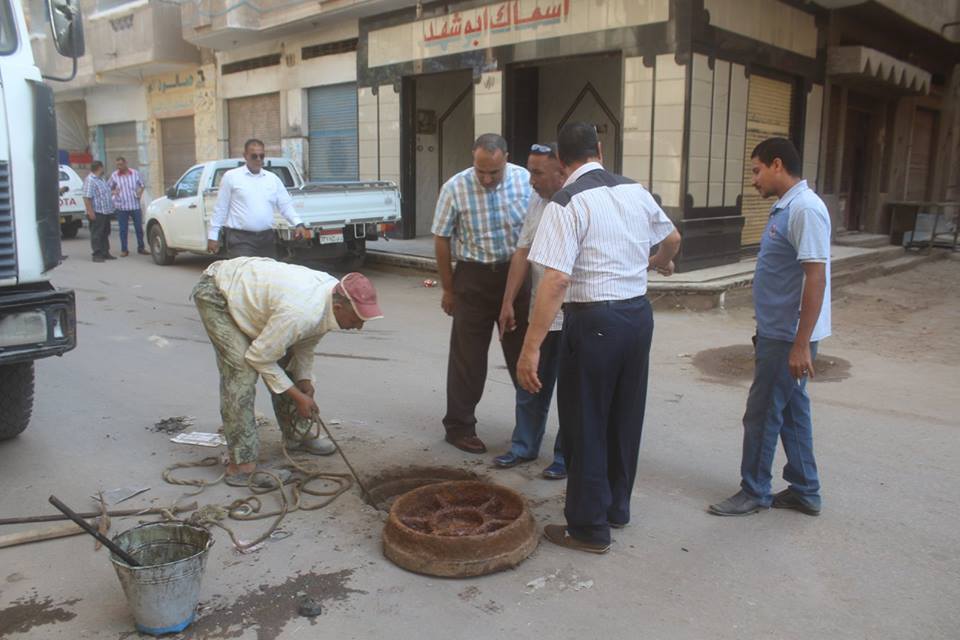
(99, 204)
(127, 187)
(244, 210)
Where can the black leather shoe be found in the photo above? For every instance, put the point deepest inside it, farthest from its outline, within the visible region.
(739, 504)
(788, 499)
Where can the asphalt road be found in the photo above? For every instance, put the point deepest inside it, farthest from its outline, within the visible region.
(881, 562)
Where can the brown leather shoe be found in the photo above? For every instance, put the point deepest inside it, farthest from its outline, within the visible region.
(557, 534)
(468, 443)
(143, 252)
(124, 254)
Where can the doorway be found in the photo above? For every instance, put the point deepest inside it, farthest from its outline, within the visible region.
(543, 95)
(442, 137)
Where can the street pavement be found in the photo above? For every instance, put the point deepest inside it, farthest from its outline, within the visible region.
(881, 562)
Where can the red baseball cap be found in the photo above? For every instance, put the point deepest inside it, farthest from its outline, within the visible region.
(361, 294)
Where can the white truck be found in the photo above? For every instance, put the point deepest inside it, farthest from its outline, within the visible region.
(342, 216)
(72, 211)
(37, 320)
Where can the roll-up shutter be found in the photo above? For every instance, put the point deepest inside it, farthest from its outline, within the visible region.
(120, 140)
(254, 117)
(768, 116)
(333, 133)
(918, 174)
(178, 146)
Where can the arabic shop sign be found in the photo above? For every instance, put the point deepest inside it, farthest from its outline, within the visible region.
(505, 23)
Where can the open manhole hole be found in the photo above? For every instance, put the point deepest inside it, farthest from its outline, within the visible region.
(383, 489)
(736, 363)
(459, 529)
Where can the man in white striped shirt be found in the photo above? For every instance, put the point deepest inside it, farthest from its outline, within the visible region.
(126, 185)
(594, 242)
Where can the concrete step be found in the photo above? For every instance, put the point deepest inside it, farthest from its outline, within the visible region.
(863, 240)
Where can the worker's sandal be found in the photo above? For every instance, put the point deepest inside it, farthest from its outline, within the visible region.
(321, 446)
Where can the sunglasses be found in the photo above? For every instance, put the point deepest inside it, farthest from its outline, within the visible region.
(540, 148)
(257, 156)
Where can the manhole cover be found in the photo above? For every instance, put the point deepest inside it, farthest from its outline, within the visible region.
(736, 363)
(388, 485)
(459, 529)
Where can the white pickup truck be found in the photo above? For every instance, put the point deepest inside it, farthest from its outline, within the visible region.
(341, 215)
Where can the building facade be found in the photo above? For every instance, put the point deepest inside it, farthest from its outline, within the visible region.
(680, 91)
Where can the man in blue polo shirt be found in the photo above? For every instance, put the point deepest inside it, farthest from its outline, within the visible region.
(791, 294)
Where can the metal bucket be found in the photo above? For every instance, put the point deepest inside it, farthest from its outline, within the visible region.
(164, 591)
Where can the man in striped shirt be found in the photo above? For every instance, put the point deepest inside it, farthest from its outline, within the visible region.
(127, 187)
(478, 218)
(265, 319)
(594, 242)
(99, 205)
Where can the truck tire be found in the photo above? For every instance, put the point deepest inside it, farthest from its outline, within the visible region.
(69, 229)
(16, 398)
(158, 246)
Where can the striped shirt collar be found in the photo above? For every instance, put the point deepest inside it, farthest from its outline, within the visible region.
(584, 169)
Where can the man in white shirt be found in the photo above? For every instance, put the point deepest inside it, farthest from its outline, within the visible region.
(546, 178)
(244, 210)
(594, 242)
(265, 319)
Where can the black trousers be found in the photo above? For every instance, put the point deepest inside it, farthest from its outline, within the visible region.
(240, 243)
(100, 235)
(478, 295)
(601, 397)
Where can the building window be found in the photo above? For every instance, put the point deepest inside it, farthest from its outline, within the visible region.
(271, 60)
(329, 48)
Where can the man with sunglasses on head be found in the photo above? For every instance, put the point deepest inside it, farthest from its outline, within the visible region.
(477, 222)
(246, 200)
(546, 178)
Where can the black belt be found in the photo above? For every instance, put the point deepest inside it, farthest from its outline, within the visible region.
(485, 266)
(250, 233)
(580, 306)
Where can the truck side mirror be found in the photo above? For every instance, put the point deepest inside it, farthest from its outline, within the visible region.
(67, 26)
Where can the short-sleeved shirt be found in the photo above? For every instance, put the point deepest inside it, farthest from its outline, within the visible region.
(99, 192)
(798, 231)
(484, 223)
(527, 234)
(599, 230)
(283, 309)
(246, 201)
(125, 187)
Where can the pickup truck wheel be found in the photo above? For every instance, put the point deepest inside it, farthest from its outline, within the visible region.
(16, 398)
(158, 246)
(69, 229)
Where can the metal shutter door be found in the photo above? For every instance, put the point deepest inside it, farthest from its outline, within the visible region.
(178, 146)
(120, 140)
(333, 133)
(918, 171)
(72, 126)
(768, 116)
(254, 117)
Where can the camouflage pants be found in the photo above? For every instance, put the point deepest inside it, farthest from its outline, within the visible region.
(238, 380)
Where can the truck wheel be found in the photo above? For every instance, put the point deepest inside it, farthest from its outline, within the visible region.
(69, 229)
(158, 246)
(16, 398)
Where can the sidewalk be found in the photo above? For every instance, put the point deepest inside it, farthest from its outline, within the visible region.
(700, 289)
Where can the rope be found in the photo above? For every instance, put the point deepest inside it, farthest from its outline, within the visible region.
(249, 508)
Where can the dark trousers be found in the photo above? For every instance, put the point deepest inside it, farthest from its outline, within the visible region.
(100, 235)
(478, 296)
(239, 243)
(123, 220)
(601, 397)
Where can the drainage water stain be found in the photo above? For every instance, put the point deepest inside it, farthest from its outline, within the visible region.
(29, 612)
(268, 608)
(735, 363)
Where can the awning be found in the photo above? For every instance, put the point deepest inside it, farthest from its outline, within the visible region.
(877, 68)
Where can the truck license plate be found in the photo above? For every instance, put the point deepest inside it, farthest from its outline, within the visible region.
(329, 237)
